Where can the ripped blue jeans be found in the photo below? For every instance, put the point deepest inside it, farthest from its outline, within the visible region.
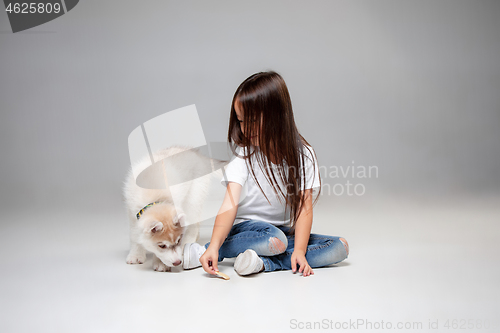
(275, 247)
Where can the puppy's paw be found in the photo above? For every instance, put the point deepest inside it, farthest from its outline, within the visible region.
(160, 266)
(133, 259)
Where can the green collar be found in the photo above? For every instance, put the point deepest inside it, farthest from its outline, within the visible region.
(148, 205)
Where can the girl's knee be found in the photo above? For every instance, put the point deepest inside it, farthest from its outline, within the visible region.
(346, 245)
(274, 240)
(277, 241)
(327, 250)
(337, 251)
(277, 245)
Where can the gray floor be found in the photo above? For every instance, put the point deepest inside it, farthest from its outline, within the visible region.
(412, 261)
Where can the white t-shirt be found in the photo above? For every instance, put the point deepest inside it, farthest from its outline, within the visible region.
(253, 204)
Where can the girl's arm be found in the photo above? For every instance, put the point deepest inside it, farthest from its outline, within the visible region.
(304, 223)
(226, 215)
(223, 223)
(302, 232)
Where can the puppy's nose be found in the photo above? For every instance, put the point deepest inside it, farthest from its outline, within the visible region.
(177, 263)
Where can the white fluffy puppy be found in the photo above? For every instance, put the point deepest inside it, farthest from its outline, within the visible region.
(165, 215)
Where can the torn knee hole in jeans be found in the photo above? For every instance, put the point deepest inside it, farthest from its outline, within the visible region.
(276, 246)
(345, 245)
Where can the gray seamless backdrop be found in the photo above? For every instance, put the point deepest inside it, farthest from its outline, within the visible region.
(411, 87)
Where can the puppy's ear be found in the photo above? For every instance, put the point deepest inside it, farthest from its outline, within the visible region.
(179, 220)
(154, 227)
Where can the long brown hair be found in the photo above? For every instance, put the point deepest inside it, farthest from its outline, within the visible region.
(267, 112)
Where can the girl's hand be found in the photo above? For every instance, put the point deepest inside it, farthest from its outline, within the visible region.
(209, 260)
(299, 257)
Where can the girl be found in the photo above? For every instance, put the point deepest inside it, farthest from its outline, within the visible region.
(269, 229)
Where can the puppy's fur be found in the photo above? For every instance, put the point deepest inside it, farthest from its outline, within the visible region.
(161, 229)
